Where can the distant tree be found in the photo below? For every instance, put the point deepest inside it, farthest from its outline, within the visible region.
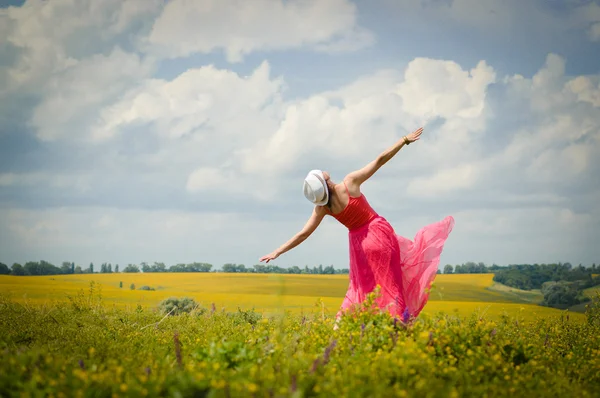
(65, 267)
(72, 268)
(131, 268)
(438, 271)
(562, 294)
(91, 268)
(109, 269)
(448, 269)
(41, 268)
(78, 270)
(17, 269)
(294, 270)
(329, 270)
(230, 268)
(159, 267)
(117, 268)
(4, 270)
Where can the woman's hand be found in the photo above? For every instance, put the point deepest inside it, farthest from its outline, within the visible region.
(269, 257)
(415, 135)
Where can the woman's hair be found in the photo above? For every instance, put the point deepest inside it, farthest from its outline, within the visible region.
(328, 204)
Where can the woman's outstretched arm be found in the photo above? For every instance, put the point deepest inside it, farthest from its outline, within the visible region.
(359, 176)
(310, 227)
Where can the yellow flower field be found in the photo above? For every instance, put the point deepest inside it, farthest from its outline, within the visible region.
(460, 294)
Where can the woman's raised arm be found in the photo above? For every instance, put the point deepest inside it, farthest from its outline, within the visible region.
(360, 176)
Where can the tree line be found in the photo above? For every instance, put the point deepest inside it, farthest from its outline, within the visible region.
(471, 268)
(38, 268)
(561, 284)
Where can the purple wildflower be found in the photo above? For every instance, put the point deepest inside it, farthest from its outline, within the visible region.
(405, 315)
(315, 365)
(81, 365)
(328, 351)
(294, 385)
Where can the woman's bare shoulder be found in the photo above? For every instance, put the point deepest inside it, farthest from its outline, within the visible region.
(352, 185)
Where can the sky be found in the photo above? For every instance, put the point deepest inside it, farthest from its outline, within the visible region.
(180, 131)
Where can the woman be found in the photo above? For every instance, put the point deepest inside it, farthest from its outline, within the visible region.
(404, 269)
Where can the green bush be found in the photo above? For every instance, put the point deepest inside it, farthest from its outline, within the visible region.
(176, 306)
(146, 288)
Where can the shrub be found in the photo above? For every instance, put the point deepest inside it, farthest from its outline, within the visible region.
(146, 288)
(246, 316)
(177, 306)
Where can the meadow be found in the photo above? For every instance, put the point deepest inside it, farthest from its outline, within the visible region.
(269, 294)
(263, 335)
(85, 347)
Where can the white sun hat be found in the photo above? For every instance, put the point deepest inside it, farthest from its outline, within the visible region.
(315, 188)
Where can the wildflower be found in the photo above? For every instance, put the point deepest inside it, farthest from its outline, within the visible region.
(405, 315)
(293, 386)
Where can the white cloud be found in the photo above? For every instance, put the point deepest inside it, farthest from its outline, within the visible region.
(53, 35)
(240, 27)
(73, 96)
(446, 180)
(204, 99)
(586, 89)
(514, 158)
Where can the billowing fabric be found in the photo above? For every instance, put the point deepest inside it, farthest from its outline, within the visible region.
(403, 268)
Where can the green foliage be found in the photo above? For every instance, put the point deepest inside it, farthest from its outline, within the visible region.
(177, 306)
(593, 311)
(4, 270)
(84, 348)
(121, 284)
(40, 268)
(131, 268)
(562, 294)
(246, 316)
(146, 288)
(193, 267)
(533, 276)
(132, 286)
(17, 269)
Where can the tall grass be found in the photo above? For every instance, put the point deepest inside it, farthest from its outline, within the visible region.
(85, 348)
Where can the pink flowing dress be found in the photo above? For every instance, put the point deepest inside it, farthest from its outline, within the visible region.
(403, 269)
